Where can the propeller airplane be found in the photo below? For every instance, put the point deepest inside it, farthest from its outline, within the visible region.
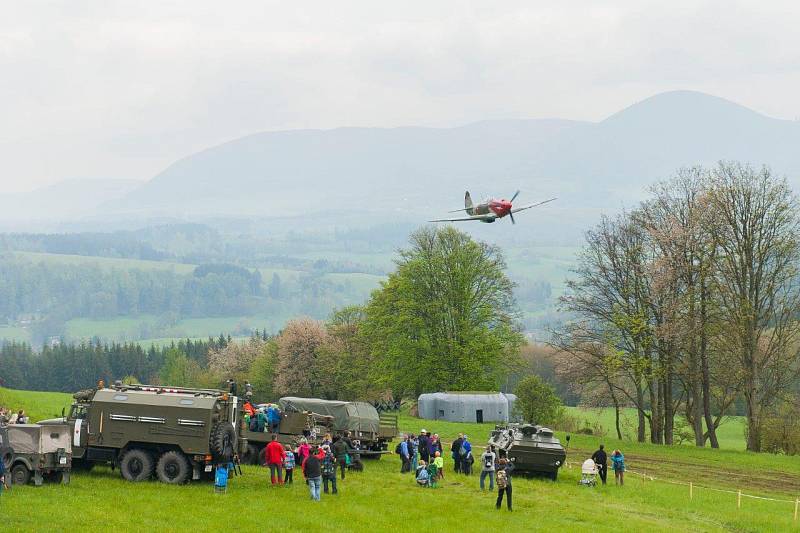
(489, 210)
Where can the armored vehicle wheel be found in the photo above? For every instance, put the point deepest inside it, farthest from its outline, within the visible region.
(554, 475)
(223, 440)
(56, 477)
(20, 475)
(173, 468)
(136, 465)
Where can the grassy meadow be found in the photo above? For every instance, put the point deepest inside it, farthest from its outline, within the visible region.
(381, 499)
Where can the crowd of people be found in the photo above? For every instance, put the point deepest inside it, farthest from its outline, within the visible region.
(8, 416)
(320, 463)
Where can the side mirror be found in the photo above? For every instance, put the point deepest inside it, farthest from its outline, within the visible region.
(62, 412)
(568, 437)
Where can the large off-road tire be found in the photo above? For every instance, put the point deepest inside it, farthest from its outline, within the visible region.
(136, 465)
(173, 468)
(223, 441)
(20, 475)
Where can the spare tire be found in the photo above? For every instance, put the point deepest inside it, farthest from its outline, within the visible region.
(223, 441)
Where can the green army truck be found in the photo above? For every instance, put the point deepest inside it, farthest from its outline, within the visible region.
(176, 434)
(368, 430)
(293, 427)
(35, 451)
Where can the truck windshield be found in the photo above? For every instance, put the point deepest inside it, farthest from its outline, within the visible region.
(77, 412)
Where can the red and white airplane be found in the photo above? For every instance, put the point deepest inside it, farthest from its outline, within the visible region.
(489, 210)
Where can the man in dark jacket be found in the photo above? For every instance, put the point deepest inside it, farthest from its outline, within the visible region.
(601, 459)
(423, 446)
(340, 451)
(455, 452)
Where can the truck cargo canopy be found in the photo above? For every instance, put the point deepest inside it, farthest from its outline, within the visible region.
(350, 416)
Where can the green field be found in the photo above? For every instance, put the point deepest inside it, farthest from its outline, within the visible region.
(381, 499)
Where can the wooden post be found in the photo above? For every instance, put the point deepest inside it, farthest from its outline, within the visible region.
(739, 500)
(796, 506)
(691, 495)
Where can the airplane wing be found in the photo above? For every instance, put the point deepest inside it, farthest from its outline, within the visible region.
(524, 207)
(463, 219)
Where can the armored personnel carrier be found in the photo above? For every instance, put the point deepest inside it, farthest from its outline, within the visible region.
(534, 449)
(172, 433)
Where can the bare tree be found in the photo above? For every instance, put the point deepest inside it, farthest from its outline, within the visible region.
(756, 282)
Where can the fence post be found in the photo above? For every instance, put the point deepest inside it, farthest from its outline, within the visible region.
(691, 495)
(796, 505)
(739, 499)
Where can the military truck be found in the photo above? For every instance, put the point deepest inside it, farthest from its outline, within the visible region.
(144, 430)
(36, 451)
(535, 449)
(372, 431)
(293, 427)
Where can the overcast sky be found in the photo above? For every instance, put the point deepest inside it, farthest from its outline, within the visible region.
(121, 89)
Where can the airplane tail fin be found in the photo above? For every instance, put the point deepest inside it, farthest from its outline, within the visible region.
(468, 204)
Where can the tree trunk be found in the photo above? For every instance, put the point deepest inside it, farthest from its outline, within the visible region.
(669, 414)
(640, 412)
(704, 369)
(753, 421)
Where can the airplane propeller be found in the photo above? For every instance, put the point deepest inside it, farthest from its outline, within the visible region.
(510, 214)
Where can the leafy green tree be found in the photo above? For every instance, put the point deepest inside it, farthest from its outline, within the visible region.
(445, 319)
(262, 372)
(537, 401)
(346, 359)
(179, 370)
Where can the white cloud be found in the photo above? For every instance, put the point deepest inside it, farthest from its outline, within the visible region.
(121, 89)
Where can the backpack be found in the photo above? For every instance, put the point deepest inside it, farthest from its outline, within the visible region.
(502, 479)
(328, 466)
(398, 449)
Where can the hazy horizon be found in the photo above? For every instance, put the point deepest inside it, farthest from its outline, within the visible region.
(113, 90)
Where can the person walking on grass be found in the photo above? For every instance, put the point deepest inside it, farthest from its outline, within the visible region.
(312, 472)
(340, 451)
(328, 468)
(618, 464)
(275, 456)
(487, 467)
(405, 459)
(288, 466)
(466, 456)
(455, 453)
(413, 450)
(424, 445)
(601, 460)
(504, 469)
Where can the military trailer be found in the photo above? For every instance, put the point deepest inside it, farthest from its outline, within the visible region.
(534, 449)
(373, 431)
(36, 451)
(176, 434)
(293, 427)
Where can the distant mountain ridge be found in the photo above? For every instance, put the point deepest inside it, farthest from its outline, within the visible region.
(590, 164)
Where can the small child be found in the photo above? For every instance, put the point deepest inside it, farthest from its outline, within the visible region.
(288, 466)
(422, 474)
(439, 462)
